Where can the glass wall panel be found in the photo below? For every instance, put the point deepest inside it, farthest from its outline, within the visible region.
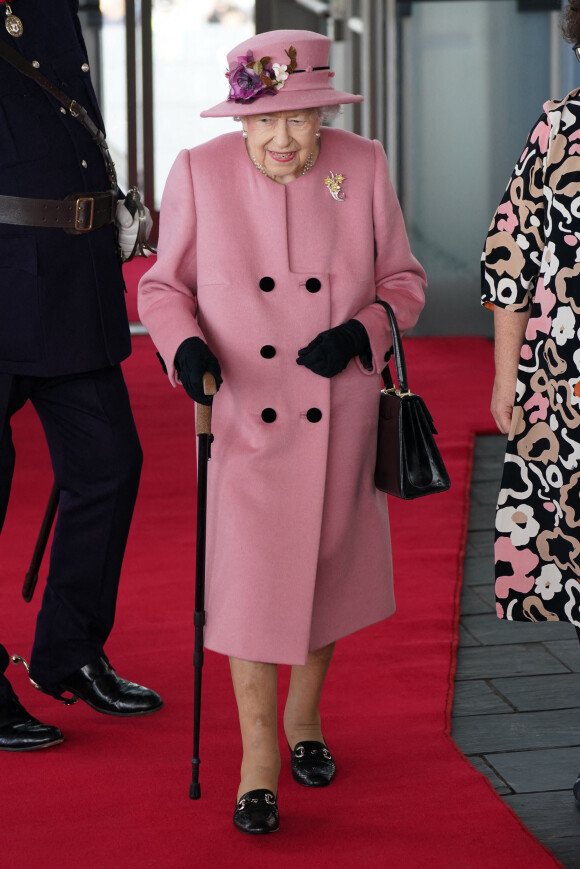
(191, 39)
(190, 44)
(474, 77)
(114, 90)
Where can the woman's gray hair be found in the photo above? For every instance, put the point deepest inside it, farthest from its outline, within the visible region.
(325, 113)
(328, 113)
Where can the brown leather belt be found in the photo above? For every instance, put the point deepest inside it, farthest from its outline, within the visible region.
(78, 213)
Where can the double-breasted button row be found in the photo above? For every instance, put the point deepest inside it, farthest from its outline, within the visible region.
(314, 414)
(267, 284)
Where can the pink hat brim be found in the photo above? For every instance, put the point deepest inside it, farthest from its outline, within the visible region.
(282, 102)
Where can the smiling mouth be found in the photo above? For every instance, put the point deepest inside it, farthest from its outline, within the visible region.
(282, 156)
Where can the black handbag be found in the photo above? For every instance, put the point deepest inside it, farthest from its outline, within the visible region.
(409, 464)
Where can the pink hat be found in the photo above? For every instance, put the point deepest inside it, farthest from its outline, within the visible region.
(278, 71)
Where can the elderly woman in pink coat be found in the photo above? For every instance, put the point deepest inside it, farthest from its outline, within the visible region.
(275, 243)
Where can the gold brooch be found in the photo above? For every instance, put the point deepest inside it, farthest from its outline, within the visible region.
(333, 183)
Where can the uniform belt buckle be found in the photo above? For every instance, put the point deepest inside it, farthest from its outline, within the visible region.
(79, 204)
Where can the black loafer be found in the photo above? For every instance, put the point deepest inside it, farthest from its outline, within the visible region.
(98, 685)
(312, 764)
(576, 791)
(257, 812)
(19, 731)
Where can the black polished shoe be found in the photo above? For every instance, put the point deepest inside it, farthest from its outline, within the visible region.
(19, 731)
(576, 791)
(312, 764)
(98, 685)
(257, 812)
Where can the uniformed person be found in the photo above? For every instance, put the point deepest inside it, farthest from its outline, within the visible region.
(63, 334)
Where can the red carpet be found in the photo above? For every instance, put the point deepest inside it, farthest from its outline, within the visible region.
(115, 795)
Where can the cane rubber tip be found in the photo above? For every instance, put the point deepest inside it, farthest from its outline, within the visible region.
(194, 791)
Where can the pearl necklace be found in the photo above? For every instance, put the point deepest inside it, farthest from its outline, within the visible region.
(307, 166)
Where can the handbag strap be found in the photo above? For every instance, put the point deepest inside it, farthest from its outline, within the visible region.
(79, 113)
(400, 366)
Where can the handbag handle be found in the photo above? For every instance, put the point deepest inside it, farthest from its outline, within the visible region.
(400, 366)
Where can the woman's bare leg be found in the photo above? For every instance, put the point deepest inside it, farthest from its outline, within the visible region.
(255, 687)
(302, 714)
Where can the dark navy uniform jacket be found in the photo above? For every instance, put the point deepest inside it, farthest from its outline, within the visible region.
(62, 305)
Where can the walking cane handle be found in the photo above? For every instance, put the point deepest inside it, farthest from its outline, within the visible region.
(203, 411)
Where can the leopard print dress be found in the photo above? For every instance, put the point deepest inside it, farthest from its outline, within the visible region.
(532, 257)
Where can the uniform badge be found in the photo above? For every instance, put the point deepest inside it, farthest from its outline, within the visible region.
(13, 24)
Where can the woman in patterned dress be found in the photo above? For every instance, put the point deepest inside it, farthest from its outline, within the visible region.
(531, 280)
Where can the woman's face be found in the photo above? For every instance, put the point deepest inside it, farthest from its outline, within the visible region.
(282, 141)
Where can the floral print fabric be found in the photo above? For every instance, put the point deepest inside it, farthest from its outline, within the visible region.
(532, 257)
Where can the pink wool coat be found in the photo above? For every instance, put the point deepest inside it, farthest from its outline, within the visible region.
(298, 551)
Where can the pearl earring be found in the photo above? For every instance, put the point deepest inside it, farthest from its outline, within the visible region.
(244, 134)
(318, 135)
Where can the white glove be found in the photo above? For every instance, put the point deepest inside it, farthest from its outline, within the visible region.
(128, 227)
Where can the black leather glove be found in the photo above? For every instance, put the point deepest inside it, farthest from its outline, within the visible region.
(192, 360)
(332, 350)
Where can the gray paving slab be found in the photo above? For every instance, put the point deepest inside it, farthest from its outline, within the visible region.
(566, 850)
(489, 662)
(472, 603)
(465, 638)
(485, 492)
(478, 698)
(534, 693)
(567, 651)
(489, 445)
(490, 630)
(551, 769)
(480, 543)
(482, 766)
(542, 813)
(519, 731)
(486, 592)
(481, 517)
(478, 570)
(487, 469)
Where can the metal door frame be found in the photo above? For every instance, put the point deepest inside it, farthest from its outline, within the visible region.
(140, 96)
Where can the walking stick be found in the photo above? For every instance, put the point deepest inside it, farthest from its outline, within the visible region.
(31, 577)
(203, 431)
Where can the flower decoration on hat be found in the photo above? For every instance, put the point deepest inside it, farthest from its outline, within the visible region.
(251, 78)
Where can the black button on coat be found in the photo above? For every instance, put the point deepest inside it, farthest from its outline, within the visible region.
(313, 285)
(267, 284)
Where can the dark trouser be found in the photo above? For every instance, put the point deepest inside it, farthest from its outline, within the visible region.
(96, 459)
